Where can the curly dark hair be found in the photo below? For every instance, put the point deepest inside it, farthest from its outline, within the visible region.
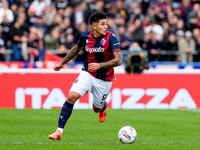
(95, 17)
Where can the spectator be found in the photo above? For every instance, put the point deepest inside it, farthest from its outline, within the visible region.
(2, 46)
(187, 46)
(57, 21)
(37, 41)
(137, 12)
(172, 43)
(119, 20)
(146, 21)
(40, 24)
(129, 3)
(6, 32)
(94, 6)
(195, 21)
(66, 23)
(112, 26)
(164, 6)
(145, 5)
(51, 41)
(79, 14)
(65, 47)
(60, 6)
(159, 16)
(99, 5)
(120, 8)
(156, 28)
(124, 38)
(190, 23)
(166, 29)
(18, 34)
(69, 41)
(172, 46)
(62, 36)
(153, 47)
(179, 35)
(81, 28)
(50, 12)
(196, 35)
(173, 20)
(62, 50)
(186, 7)
(137, 31)
(37, 7)
(113, 10)
(134, 47)
(33, 49)
(5, 11)
(68, 11)
(14, 9)
(197, 57)
(22, 8)
(176, 9)
(23, 4)
(180, 25)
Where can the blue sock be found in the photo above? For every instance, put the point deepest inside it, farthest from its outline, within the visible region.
(65, 114)
(104, 106)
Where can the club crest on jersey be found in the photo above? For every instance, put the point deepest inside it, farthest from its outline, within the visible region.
(103, 41)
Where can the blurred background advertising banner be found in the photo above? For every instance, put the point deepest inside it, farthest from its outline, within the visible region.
(138, 91)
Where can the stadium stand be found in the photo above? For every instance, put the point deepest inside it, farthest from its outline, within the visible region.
(160, 27)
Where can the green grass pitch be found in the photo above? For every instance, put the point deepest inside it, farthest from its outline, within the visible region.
(157, 130)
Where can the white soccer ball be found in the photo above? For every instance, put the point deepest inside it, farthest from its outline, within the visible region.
(127, 134)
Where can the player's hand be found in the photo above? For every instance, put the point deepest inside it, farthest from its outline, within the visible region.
(94, 66)
(57, 67)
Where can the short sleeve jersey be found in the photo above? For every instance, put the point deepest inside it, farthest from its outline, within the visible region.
(99, 50)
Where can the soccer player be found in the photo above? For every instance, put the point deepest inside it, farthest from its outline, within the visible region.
(103, 53)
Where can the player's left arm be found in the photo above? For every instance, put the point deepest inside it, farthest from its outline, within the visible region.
(117, 61)
(109, 64)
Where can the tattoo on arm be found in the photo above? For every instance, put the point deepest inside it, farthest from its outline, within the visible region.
(73, 52)
(114, 62)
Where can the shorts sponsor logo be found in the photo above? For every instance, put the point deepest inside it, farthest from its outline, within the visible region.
(76, 81)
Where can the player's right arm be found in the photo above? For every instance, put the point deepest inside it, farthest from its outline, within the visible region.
(73, 52)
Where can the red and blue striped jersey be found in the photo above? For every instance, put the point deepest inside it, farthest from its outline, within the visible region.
(99, 50)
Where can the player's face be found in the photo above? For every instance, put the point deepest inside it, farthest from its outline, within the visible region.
(100, 28)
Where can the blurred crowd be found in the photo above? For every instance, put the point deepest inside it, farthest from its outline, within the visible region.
(32, 27)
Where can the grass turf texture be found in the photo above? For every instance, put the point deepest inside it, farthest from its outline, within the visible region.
(157, 130)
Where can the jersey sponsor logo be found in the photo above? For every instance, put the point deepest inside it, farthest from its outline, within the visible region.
(90, 50)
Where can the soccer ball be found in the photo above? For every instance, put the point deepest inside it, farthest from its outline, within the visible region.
(127, 135)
